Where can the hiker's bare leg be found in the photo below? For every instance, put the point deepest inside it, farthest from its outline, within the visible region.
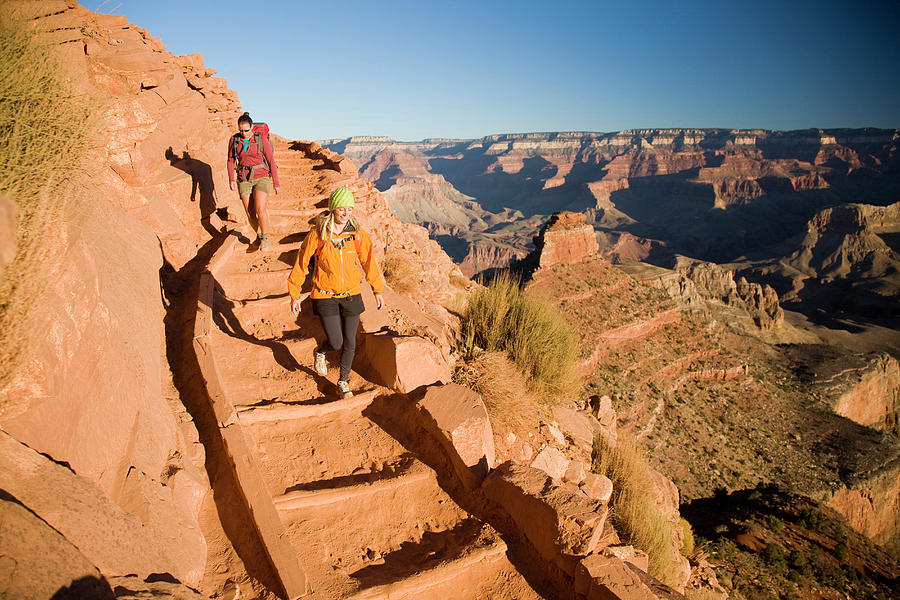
(251, 214)
(260, 199)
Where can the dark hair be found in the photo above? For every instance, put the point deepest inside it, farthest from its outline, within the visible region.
(245, 118)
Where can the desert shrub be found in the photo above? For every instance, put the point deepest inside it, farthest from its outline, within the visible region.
(810, 518)
(687, 533)
(504, 389)
(798, 561)
(842, 551)
(502, 317)
(634, 512)
(44, 125)
(400, 271)
(775, 524)
(775, 556)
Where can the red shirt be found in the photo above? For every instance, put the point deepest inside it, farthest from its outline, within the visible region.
(251, 158)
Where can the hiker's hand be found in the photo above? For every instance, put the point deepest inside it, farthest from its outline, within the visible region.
(295, 306)
(231, 185)
(276, 190)
(379, 301)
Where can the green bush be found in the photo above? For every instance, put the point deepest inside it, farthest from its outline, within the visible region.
(775, 524)
(842, 552)
(688, 544)
(44, 128)
(502, 317)
(634, 512)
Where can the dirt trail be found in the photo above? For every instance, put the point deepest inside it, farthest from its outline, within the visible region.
(365, 516)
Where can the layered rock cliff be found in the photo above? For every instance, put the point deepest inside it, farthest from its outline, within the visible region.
(683, 187)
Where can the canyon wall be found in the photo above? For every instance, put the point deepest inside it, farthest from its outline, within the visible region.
(94, 391)
(712, 194)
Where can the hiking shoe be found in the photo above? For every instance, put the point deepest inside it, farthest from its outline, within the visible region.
(344, 388)
(264, 241)
(320, 364)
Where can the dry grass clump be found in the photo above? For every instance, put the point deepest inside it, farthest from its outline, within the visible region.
(400, 271)
(502, 317)
(634, 512)
(44, 126)
(504, 388)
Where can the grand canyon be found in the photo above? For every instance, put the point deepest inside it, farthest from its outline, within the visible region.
(163, 431)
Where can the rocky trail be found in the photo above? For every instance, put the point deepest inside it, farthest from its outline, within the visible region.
(363, 517)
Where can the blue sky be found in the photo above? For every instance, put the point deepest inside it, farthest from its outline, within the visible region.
(461, 69)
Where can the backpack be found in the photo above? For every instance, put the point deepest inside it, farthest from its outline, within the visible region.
(260, 132)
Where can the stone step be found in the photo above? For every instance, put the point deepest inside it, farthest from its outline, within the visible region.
(336, 444)
(251, 285)
(460, 579)
(378, 510)
(281, 412)
(304, 499)
(467, 562)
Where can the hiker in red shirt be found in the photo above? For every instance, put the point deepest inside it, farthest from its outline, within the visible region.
(250, 156)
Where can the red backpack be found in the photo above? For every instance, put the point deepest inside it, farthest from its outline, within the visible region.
(260, 132)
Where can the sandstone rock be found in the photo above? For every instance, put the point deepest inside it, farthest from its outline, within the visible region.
(871, 506)
(596, 486)
(576, 472)
(457, 417)
(108, 537)
(484, 254)
(520, 450)
(629, 554)
(134, 588)
(103, 369)
(8, 211)
(552, 462)
(717, 283)
(580, 426)
(561, 523)
(601, 577)
(551, 432)
(603, 410)
(38, 562)
(404, 363)
(704, 581)
(566, 239)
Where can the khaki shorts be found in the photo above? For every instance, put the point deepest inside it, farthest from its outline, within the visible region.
(263, 184)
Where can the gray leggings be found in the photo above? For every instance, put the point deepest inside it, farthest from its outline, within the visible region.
(340, 338)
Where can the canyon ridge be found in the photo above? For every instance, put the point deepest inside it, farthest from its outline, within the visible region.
(163, 432)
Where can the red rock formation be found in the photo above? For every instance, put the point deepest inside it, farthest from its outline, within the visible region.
(873, 399)
(484, 255)
(566, 239)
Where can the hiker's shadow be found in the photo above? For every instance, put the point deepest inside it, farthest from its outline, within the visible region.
(202, 184)
(308, 326)
(228, 322)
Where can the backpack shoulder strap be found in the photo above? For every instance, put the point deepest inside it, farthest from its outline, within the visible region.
(235, 145)
(257, 137)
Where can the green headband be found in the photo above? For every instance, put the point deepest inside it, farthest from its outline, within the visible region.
(340, 197)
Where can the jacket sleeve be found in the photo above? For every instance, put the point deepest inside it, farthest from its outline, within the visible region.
(301, 265)
(370, 265)
(231, 159)
(270, 159)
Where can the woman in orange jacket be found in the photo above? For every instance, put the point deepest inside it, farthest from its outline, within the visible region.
(339, 246)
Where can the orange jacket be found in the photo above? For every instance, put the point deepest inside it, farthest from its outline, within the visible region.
(337, 271)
